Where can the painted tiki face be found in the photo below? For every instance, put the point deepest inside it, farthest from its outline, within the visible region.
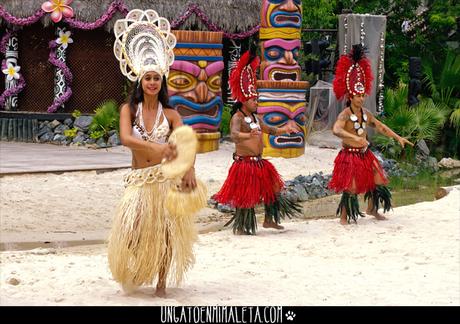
(280, 60)
(281, 13)
(194, 82)
(283, 104)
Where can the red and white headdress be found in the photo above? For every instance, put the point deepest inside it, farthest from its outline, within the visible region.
(353, 74)
(243, 78)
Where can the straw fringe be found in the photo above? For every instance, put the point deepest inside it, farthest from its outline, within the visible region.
(230, 15)
(146, 239)
(182, 204)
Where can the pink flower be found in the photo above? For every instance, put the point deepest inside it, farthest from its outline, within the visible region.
(58, 8)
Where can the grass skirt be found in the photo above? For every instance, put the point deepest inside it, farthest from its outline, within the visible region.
(355, 172)
(146, 238)
(249, 182)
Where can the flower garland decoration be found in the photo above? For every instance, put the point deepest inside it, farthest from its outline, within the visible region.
(194, 8)
(60, 10)
(53, 45)
(119, 5)
(21, 83)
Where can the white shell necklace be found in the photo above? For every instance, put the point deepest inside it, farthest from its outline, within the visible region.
(150, 136)
(359, 127)
(252, 124)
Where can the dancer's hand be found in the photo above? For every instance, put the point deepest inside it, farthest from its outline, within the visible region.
(291, 128)
(169, 152)
(255, 132)
(362, 141)
(189, 180)
(403, 141)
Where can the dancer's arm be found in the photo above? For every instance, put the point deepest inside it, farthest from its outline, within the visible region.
(276, 131)
(385, 130)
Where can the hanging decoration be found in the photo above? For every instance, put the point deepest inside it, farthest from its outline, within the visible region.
(62, 12)
(12, 69)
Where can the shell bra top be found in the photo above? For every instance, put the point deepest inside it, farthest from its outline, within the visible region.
(158, 134)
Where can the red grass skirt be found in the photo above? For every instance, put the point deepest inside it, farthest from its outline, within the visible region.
(249, 182)
(355, 172)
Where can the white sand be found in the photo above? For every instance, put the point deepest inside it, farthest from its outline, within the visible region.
(411, 259)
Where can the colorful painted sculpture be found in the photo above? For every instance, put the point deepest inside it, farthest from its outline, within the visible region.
(194, 84)
(281, 93)
(281, 103)
(281, 19)
(279, 60)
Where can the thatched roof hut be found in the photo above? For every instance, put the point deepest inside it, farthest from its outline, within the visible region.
(230, 15)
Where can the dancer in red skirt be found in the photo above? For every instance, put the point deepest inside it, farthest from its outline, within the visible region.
(251, 179)
(356, 169)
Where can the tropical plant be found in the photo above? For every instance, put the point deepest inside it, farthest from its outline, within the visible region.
(106, 119)
(71, 133)
(76, 113)
(225, 122)
(423, 121)
(444, 84)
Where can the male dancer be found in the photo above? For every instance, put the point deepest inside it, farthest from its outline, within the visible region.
(252, 179)
(356, 169)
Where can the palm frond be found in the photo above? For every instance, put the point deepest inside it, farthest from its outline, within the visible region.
(455, 118)
(395, 98)
(428, 121)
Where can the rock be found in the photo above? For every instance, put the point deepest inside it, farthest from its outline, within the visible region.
(80, 138)
(83, 122)
(54, 124)
(114, 140)
(44, 130)
(432, 163)
(449, 163)
(290, 195)
(113, 131)
(101, 143)
(13, 281)
(225, 208)
(301, 193)
(316, 182)
(422, 148)
(59, 138)
(60, 129)
(212, 203)
(47, 137)
(68, 122)
(300, 179)
(90, 141)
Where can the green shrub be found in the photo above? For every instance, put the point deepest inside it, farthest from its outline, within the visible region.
(106, 119)
(225, 122)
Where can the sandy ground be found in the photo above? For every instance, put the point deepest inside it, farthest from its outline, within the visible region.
(411, 259)
(82, 203)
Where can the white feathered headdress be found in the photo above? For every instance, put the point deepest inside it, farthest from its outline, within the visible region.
(143, 43)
